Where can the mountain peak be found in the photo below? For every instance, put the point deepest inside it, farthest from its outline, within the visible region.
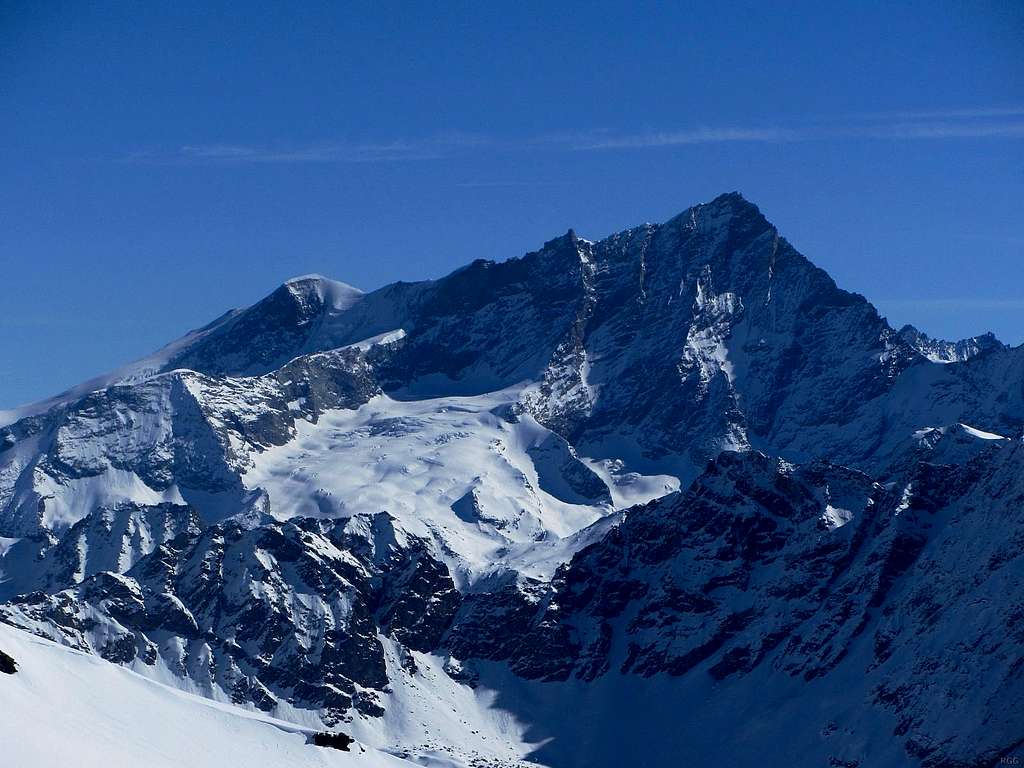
(735, 197)
(330, 292)
(726, 209)
(311, 277)
(732, 202)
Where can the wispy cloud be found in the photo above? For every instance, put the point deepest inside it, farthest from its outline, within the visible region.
(999, 122)
(433, 147)
(996, 122)
(944, 129)
(945, 114)
(699, 135)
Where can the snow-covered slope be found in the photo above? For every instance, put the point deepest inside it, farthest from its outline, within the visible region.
(63, 707)
(678, 462)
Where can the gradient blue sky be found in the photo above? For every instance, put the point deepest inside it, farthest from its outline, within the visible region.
(163, 162)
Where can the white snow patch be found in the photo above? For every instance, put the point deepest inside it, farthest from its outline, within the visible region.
(415, 459)
(905, 498)
(388, 337)
(980, 434)
(835, 517)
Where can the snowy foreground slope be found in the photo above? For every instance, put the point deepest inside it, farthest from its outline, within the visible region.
(673, 491)
(65, 708)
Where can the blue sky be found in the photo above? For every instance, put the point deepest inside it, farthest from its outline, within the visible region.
(163, 162)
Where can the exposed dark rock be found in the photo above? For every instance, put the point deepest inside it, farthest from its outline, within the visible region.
(231, 593)
(333, 740)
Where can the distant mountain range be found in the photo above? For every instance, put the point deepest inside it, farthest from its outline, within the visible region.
(669, 498)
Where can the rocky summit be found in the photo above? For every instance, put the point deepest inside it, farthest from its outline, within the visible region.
(673, 492)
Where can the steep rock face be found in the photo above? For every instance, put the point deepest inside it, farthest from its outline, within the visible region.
(107, 539)
(684, 574)
(287, 611)
(490, 325)
(711, 332)
(807, 572)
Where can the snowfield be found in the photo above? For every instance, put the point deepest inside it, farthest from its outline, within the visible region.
(66, 708)
(493, 488)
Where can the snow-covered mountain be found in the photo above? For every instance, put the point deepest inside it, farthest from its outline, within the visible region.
(673, 488)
